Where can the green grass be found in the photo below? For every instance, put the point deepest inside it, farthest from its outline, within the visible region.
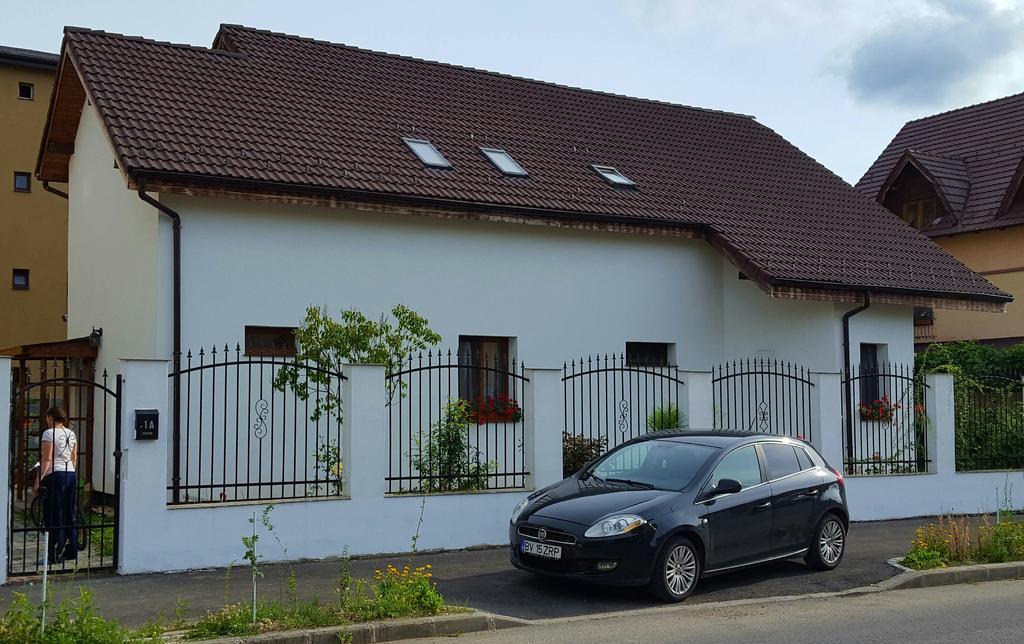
(70, 621)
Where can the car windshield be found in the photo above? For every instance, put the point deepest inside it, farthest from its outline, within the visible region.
(660, 464)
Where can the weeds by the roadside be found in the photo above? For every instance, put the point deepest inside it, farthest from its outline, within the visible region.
(951, 541)
(73, 621)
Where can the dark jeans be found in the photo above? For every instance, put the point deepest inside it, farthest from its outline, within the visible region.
(59, 515)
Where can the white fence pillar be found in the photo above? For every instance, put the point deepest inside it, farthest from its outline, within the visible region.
(144, 463)
(365, 439)
(544, 425)
(5, 448)
(698, 402)
(940, 407)
(827, 417)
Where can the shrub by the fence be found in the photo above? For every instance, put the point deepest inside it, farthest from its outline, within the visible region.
(577, 451)
(989, 420)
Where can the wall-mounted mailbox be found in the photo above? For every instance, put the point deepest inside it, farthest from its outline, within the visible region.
(147, 424)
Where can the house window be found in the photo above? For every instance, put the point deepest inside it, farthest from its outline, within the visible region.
(919, 213)
(26, 91)
(483, 368)
(647, 354)
(872, 357)
(924, 316)
(504, 162)
(19, 279)
(613, 176)
(427, 153)
(22, 182)
(270, 341)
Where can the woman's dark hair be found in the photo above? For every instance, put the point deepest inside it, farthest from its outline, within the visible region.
(57, 414)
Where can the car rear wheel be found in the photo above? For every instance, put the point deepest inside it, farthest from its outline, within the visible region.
(676, 571)
(829, 545)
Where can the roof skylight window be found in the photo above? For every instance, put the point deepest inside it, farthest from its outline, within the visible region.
(427, 153)
(613, 176)
(504, 162)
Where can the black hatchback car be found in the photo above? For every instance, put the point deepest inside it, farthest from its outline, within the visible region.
(670, 507)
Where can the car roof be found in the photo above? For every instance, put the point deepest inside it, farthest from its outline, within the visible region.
(711, 437)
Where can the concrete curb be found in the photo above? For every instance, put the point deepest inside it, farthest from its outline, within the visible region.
(387, 631)
(956, 575)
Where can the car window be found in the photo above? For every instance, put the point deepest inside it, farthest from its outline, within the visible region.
(663, 464)
(804, 459)
(780, 460)
(740, 465)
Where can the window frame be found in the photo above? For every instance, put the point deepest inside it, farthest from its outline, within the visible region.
(630, 362)
(870, 381)
(490, 153)
(28, 181)
(31, 91)
(607, 171)
(15, 272)
(761, 445)
(760, 465)
(411, 143)
(287, 350)
(924, 212)
(475, 372)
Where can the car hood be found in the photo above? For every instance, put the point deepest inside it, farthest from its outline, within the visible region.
(585, 502)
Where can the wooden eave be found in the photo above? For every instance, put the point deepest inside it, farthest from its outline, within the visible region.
(58, 350)
(908, 159)
(63, 116)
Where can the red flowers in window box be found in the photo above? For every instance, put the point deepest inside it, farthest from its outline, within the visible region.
(882, 409)
(500, 409)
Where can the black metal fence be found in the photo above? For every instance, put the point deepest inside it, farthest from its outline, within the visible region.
(989, 420)
(763, 395)
(886, 421)
(456, 423)
(608, 400)
(89, 540)
(255, 427)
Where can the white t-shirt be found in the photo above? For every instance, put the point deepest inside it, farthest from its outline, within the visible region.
(64, 445)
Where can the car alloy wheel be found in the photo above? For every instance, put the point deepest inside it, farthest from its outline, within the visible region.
(831, 542)
(680, 569)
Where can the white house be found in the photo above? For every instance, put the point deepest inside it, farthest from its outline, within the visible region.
(216, 193)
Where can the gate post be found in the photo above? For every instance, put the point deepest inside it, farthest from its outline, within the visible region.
(5, 459)
(940, 407)
(699, 398)
(144, 463)
(364, 435)
(544, 425)
(827, 417)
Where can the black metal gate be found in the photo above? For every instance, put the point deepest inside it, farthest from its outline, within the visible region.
(608, 400)
(763, 395)
(93, 407)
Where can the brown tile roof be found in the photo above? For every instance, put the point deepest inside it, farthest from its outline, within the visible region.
(295, 112)
(980, 145)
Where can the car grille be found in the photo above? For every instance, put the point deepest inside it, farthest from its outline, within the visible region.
(553, 536)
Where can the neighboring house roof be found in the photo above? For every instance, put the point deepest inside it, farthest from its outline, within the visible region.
(264, 111)
(17, 57)
(974, 156)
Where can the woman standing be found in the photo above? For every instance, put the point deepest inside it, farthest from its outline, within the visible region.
(59, 457)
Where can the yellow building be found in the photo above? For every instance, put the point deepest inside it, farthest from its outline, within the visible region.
(33, 221)
(957, 176)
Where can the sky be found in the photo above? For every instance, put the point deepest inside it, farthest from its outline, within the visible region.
(836, 78)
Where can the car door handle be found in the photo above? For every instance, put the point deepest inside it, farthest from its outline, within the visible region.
(763, 506)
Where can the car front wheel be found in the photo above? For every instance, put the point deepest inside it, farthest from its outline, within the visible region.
(829, 545)
(677, 570)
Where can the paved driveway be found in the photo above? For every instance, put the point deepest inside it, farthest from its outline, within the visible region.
(482, 579)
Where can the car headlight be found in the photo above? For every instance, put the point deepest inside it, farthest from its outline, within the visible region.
(516, 511)
(615, 525)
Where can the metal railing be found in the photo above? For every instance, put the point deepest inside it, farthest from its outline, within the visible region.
(763, 395)
(886, 421)
(456, 423)
(989, 420)
(255, 428)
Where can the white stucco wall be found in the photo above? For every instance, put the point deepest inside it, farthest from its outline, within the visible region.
(112, 260)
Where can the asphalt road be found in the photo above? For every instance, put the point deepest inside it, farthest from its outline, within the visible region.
(481, 579)
(989, 612)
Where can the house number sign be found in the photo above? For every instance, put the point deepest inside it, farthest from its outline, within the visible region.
(147, 424)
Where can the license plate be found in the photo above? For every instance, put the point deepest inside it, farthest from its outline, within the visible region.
(541, 549)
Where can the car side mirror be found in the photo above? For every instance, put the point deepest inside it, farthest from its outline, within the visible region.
(728, 486)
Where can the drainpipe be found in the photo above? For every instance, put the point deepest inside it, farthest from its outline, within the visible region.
(176, 351)
(60, 193)
(847, 394)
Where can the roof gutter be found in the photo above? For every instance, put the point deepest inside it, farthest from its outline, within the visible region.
(60, 193)
(176, 351)
(866, 289)
(847, 376)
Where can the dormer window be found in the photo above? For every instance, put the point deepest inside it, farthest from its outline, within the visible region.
(919, 213)
(613, 176)
(427, 153)
(504, 162)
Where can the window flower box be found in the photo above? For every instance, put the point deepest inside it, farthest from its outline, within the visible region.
(500, 409)
(883, 410)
